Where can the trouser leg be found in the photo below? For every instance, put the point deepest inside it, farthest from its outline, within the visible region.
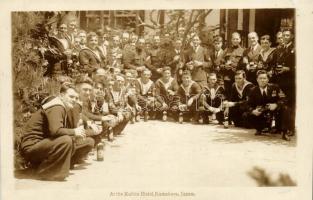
(53, 156)
(82, 149)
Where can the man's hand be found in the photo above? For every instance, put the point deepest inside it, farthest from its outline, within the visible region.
(159, 70)
(171, 92)
(256, 112)
(190, 101)
(272, 106)
(120, 116)
(138, 108)
(164, 106)
(228, 104)
(182, 107)
(176, 58)
(80, 132)
(197, 63)
(283, 69)
(97, 129)
(140, 68)
(245, 60)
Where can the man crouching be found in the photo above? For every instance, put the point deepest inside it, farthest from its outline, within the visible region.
(47, 142)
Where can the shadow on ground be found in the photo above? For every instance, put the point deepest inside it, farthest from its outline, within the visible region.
(237, 135)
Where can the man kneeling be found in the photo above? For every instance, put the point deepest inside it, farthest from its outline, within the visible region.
(48, 139)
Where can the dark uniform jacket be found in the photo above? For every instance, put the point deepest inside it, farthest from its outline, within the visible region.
(133, 59)
(241, 96)
(185, 93)
(213, 96)
(274, 95)
(90, 60)
(48, 122)
(163, 88)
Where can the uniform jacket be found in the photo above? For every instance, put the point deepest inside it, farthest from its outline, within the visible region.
(185, 93)
(161, 88)
(234, 54)
(49, 121)
(133, 59)
(89, 60)
(274, 95)
(241, 96)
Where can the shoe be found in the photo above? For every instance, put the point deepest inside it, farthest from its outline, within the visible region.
(200, 120)
(285, 136)
(137, 118)
(258, 133)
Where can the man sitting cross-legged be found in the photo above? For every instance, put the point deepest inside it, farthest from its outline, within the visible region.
(188, 92)
(211, 100)
(166, 87)
(145, 90)
(236, 106)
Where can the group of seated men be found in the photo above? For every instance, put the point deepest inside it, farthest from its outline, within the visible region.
(124, 82)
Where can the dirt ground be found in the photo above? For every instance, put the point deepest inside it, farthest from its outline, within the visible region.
(159, 154)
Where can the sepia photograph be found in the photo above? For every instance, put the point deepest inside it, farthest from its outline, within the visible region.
(154, 103)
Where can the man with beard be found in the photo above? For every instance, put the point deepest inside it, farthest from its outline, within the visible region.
(166, 98)
(250, 58)
(188, 92)
(198, 62)
(134, 61)
(211, 99)
(91, 58)
(48, 139)
(236, 105)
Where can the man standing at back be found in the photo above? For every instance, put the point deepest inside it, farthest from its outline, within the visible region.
(198, 62)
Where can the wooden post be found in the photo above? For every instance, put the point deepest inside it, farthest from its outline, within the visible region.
(101, 20)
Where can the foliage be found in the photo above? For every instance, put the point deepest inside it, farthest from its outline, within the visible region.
(264, 179)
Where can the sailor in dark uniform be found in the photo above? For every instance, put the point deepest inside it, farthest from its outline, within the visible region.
(236, 105)
(267, 106)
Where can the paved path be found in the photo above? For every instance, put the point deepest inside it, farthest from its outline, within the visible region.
(158, 154)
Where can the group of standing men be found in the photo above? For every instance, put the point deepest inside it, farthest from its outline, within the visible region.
(123, 77)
